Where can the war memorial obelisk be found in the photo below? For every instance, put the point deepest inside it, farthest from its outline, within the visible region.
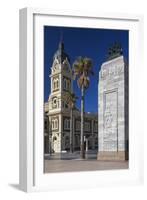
(113, 107)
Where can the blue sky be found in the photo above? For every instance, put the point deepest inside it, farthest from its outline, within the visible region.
(92, 43)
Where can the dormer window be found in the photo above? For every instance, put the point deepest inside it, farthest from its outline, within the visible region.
(55, 66)
(66, 66)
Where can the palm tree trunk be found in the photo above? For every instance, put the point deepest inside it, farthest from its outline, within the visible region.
(82, 123)
(71, 130)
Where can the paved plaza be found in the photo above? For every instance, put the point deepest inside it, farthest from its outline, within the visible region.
(91, 154)
(67, 162)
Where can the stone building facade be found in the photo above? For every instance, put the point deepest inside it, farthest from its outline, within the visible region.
(57, 112)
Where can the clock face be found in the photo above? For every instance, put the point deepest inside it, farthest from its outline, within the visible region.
(54, 102)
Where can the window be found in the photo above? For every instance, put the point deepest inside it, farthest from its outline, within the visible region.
(95, 127)
(87, 126)
(54, 86)
(77, 140)
(54, 124)
(55, 83)
(66, 124)
(65, 104)
(66, 84)
(78, 125)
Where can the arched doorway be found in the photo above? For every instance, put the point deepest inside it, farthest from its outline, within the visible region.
(55, 147)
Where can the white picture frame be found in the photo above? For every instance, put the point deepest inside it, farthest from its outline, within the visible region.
(31, 175)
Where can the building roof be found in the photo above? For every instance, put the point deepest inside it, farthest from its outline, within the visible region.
(60, 54)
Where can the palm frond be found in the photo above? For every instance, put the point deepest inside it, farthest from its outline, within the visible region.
(70, 99)
(82, 69)
(80, 81)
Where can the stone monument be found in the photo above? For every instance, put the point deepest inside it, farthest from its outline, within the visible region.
(113, 107)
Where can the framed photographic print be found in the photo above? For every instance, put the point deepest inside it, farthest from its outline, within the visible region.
(79, 126)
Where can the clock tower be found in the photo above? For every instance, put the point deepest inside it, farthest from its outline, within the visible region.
(61, 82)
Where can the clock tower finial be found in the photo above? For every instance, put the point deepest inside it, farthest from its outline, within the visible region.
(61, 44)
(60, 54)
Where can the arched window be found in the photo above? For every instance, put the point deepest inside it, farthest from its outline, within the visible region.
(56, 83)
(54, 124)
(64, 84)
(67, 124)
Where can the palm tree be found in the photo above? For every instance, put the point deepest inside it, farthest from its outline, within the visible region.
(70, 99)
(82, 68)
